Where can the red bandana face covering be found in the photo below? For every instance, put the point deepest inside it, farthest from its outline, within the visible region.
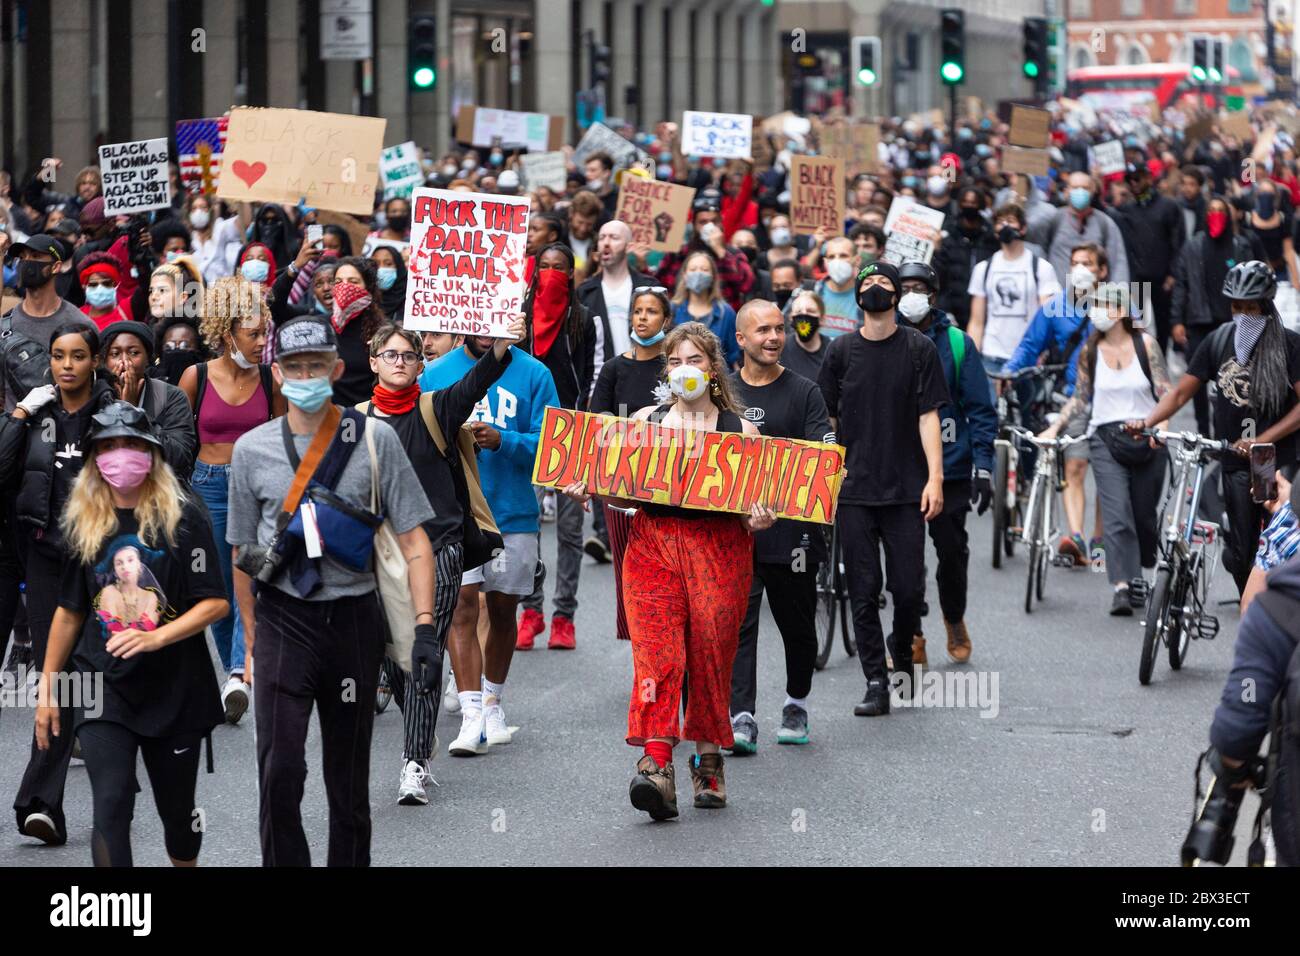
(397, 402)
(550, 305)
(349, 302)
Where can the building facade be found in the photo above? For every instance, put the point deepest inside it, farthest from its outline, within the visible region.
(78, 73)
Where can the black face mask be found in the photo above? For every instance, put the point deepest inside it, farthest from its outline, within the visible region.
(876, 299)
(174, 362)
(781, 297)
(33, 274)
(806, 325)
(970, 213)
(399, 223)
(750, 253)
(1264, 205)
(1008, 234)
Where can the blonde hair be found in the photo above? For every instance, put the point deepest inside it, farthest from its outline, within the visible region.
(699, 335)
(229, 300)
(682, 294)
(90, 517)
(185, 276)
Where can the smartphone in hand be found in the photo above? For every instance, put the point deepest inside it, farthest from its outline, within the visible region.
(315, 233)
(1263, 472)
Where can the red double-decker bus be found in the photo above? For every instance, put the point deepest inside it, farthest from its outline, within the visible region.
(1169, 84)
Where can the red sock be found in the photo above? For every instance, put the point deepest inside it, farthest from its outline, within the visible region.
(662, 752)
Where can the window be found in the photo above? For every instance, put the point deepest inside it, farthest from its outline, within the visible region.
(1131, 8)
(1136, 54)
(1188, 7)
(1237, 6)
(1081, 9)
(1081, 57)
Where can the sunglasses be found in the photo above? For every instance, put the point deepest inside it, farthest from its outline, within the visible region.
(656, 289)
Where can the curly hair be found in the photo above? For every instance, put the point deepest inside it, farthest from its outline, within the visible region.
(229, 300)
(699, 335)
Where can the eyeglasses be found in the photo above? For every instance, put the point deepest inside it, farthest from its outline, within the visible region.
(656, 289)
(392, 356)
(177, 347)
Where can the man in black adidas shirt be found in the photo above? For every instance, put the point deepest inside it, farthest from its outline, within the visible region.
(884, 387)
(783, 404)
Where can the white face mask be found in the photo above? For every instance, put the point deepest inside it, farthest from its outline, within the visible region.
(200, 218)
(688, 382)
(780, 236)
(914, 306)
(936, 186)
(1101, 320)
(839, 270)
(1081, 278)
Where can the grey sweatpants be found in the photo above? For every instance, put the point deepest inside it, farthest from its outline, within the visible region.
(568, 561)
(1130, 500)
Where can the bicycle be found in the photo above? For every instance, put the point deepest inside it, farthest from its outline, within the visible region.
(832, 600)
(1009, 495)
(1039, 531)
(1189, 556)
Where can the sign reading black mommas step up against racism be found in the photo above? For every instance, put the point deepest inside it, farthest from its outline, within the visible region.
(135, 176)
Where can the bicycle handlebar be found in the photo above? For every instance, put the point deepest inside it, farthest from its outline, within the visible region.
(1189, 440)
(1059, 442)
(1030, 371)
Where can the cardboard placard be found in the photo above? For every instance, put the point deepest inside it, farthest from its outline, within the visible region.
(599, 138)
(910, 228)
(721, 135)
(656, 212)
(817, 195)
(536, 132)
(356, 230)
(199, 146)
(1109, 157)
(1199, 128)
(1238, 125)
(723, 472)
(467, 262)
(400, 168)
(279, 155)
(1029, 126)
(550, 169)
(857, 145)
(136, 177)
(1031, 162)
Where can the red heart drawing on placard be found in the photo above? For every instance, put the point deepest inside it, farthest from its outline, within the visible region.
(248, 172)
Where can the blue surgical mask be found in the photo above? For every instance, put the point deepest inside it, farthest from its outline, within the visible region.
(698, 282)
(1080, 198)
(983, 149)
(309, 394)
(664, 171)
(101, 296)
(386, 276)
(254, 270)
(653, 340)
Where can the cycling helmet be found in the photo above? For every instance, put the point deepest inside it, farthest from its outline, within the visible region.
(919, 270)
(1252, 280)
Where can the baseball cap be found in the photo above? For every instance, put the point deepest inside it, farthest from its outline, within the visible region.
(881, 267)
(708, 199)
(307, 334)
(42, 244)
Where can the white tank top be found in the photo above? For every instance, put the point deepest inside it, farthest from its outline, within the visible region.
(1119, 395)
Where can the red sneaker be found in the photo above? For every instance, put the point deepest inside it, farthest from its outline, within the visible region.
(562, 637)
(531, 623)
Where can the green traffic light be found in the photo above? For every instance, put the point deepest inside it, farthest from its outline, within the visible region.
(951, 72)
(1198, 74)
(1216, 76)
(424, 77)
(1031, 69)
(866, 76)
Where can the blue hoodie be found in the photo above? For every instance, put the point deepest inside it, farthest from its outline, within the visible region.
(1052, 324)
(514, 406)
(975, 420)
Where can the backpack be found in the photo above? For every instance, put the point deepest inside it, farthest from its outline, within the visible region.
(1283, 758)
(1033, 277)
(957, 344)
(24, 363)
(201, 370)
(1144, 362)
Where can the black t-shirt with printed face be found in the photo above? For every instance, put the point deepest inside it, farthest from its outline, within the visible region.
(878, 390)
(1232, 394)
(132, 585)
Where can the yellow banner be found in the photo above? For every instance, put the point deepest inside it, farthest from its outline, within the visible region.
(685, 468)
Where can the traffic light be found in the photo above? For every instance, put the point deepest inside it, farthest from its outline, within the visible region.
(952, 46)
(866, 60)
(1200, 59)
(1035, 49)
(1218, 67)
(600, 56)
(422, 52)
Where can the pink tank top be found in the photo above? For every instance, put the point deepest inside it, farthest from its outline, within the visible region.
(223, 423)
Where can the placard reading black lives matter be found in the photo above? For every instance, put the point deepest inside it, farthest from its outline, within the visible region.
(135, 177)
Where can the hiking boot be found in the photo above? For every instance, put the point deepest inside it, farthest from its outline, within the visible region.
(654, 789)
(531, 623)
(958, 642)
(876, 701)
(918, 651)
(708, 782)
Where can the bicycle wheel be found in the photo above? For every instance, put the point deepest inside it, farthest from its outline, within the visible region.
(1157, 610)
(842, 599)
(1030, 575)
(825, 616)
(1177, 635)
(1044, 561)
(1000, 462)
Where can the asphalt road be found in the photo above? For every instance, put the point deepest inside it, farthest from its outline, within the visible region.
(1078, 766)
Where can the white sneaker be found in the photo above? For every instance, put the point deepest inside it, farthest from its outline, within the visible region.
(470, 742)
(234, 698)
(548, 507)
(494, 726)
(451, 697)
(410, 787)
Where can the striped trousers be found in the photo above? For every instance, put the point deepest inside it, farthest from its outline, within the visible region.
(618, 523)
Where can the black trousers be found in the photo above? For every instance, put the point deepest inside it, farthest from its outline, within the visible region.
(173, 767)
(47, 770)
(327, 654)
(1196, 334)
(1245, 518)
(901, 531)
(952, 549)
(792, 596)
(1161, 303)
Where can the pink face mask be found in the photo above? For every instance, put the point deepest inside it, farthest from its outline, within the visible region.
(124, 468)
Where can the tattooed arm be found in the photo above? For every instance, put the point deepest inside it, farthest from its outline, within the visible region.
(1159, 370)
